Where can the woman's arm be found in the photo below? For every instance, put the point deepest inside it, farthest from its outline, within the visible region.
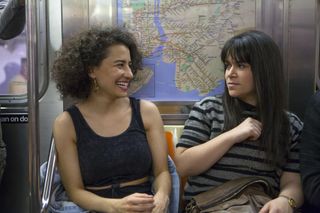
(155, 134)
(290, 188)
(68, 165)
(197, 159)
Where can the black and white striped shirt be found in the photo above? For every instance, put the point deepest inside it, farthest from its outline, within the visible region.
(247, 158)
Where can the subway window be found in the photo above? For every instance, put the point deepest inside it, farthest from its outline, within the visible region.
(13, 66)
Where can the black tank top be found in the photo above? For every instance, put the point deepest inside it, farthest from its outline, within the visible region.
(110, 160)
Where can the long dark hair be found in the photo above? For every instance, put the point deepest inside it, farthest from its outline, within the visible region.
(261, 52)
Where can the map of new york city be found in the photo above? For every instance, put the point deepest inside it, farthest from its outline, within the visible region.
(181, 42)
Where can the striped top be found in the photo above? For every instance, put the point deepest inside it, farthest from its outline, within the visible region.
(205, 122)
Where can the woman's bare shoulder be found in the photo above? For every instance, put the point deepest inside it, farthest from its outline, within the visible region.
(63, 119)
(150, 114)
(148, 106)
(63, 127)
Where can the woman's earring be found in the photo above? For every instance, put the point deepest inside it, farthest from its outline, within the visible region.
(95, 85)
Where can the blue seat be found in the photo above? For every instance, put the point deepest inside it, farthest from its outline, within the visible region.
(175, 187)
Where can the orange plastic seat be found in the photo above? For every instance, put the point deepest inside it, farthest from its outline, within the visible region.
(170, 142)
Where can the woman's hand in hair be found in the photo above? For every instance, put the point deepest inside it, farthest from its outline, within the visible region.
(250, 129)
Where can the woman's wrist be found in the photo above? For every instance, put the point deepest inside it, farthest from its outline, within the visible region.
(162, 200)
(290, 200)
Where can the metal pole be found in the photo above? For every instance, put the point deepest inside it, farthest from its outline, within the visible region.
(49, 178)
(33, 135)
(317, 59)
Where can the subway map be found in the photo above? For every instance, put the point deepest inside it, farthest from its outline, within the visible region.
(181, 42)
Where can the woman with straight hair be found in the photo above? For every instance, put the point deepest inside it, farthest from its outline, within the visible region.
(246, 132)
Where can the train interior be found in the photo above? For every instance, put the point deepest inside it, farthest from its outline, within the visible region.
(32, 31)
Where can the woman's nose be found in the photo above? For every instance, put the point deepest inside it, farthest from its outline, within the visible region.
(231, 71)
(128, 72)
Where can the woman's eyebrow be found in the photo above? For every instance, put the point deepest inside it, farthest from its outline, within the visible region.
(119, 61)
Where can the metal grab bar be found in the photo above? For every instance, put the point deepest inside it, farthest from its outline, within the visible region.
(32, 31)
(49, 178)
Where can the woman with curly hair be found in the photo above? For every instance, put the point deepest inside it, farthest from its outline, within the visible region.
(108, 144)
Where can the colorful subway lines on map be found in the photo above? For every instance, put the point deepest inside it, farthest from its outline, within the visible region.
(181, 42)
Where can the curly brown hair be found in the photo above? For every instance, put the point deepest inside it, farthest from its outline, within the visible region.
(85, 51)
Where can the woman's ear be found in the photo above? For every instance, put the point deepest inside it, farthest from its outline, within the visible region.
(92, 74)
